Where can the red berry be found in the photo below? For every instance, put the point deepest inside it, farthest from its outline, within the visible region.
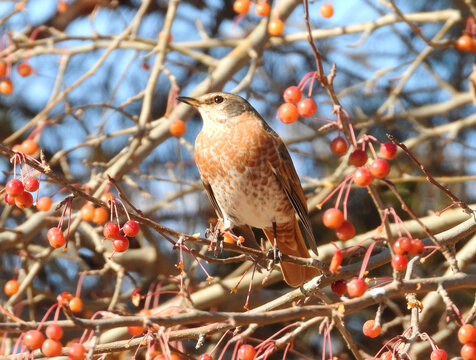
(388, 150)
(131, 228)
(76, 305)
(417, 247)
(44, 203)
(262, 9)
(11, 287)
(356, 287)
(205, 357)
(14, 187)
(246, 352)
(275, 27)
(379, 168)
(346, 231)
(241, 6)
(10, 200)
(438, 354)
(467, 334)
(287, 113)
(135, 330)
(120, 244)
(402, 246)
(24, 200)
(339, 146)
(358, 158)
(468, 352)
(327, 10)
(54, 331)
(51, 348)
(55, 237)
(76, 352)
(387, 355)
(292, 95)
(333, 218)
(31, 184)
(339, 287)
(33, 339)
(369, 329)
(24, 69)
(362, 177)
(400, 262)
(307, 107)
(111, 230)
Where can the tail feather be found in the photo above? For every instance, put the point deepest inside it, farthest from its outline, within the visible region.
(290, 241)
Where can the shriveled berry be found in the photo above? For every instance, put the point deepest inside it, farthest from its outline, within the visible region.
(339, 287)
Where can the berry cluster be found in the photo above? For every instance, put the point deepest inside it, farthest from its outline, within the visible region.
(404, 246)
(51, 346)
(294, 106)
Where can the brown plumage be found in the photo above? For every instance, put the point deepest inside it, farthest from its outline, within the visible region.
(250, 178)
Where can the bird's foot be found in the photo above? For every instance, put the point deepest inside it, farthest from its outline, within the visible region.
(214, 234)
(275, 255)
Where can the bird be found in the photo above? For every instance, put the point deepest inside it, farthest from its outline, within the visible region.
(250, 179)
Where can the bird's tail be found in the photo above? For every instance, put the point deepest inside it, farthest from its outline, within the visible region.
(291, 242)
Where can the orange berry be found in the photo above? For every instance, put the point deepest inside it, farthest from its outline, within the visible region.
(369, 329)
(100, 215)
(11, 287)
(327, 10)
(288, 113)
(275, 27)
(178, 128)
(24, 69)
(464, 43)
(76, 305)
(262, 8)
(107, 196)
(228, 239)
(62, 6)
(241, 6)
(3, 68)
(87, 212)
(44, 203)
(29, 146)
(24, 200)
(6, 86)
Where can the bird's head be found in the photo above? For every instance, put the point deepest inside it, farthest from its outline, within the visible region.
(218, 107)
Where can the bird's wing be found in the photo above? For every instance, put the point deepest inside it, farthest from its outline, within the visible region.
(211, 197)
(289, 180)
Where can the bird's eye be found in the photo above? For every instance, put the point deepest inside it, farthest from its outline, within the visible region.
(218, 99)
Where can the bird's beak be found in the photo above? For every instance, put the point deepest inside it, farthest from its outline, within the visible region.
(188, 100)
